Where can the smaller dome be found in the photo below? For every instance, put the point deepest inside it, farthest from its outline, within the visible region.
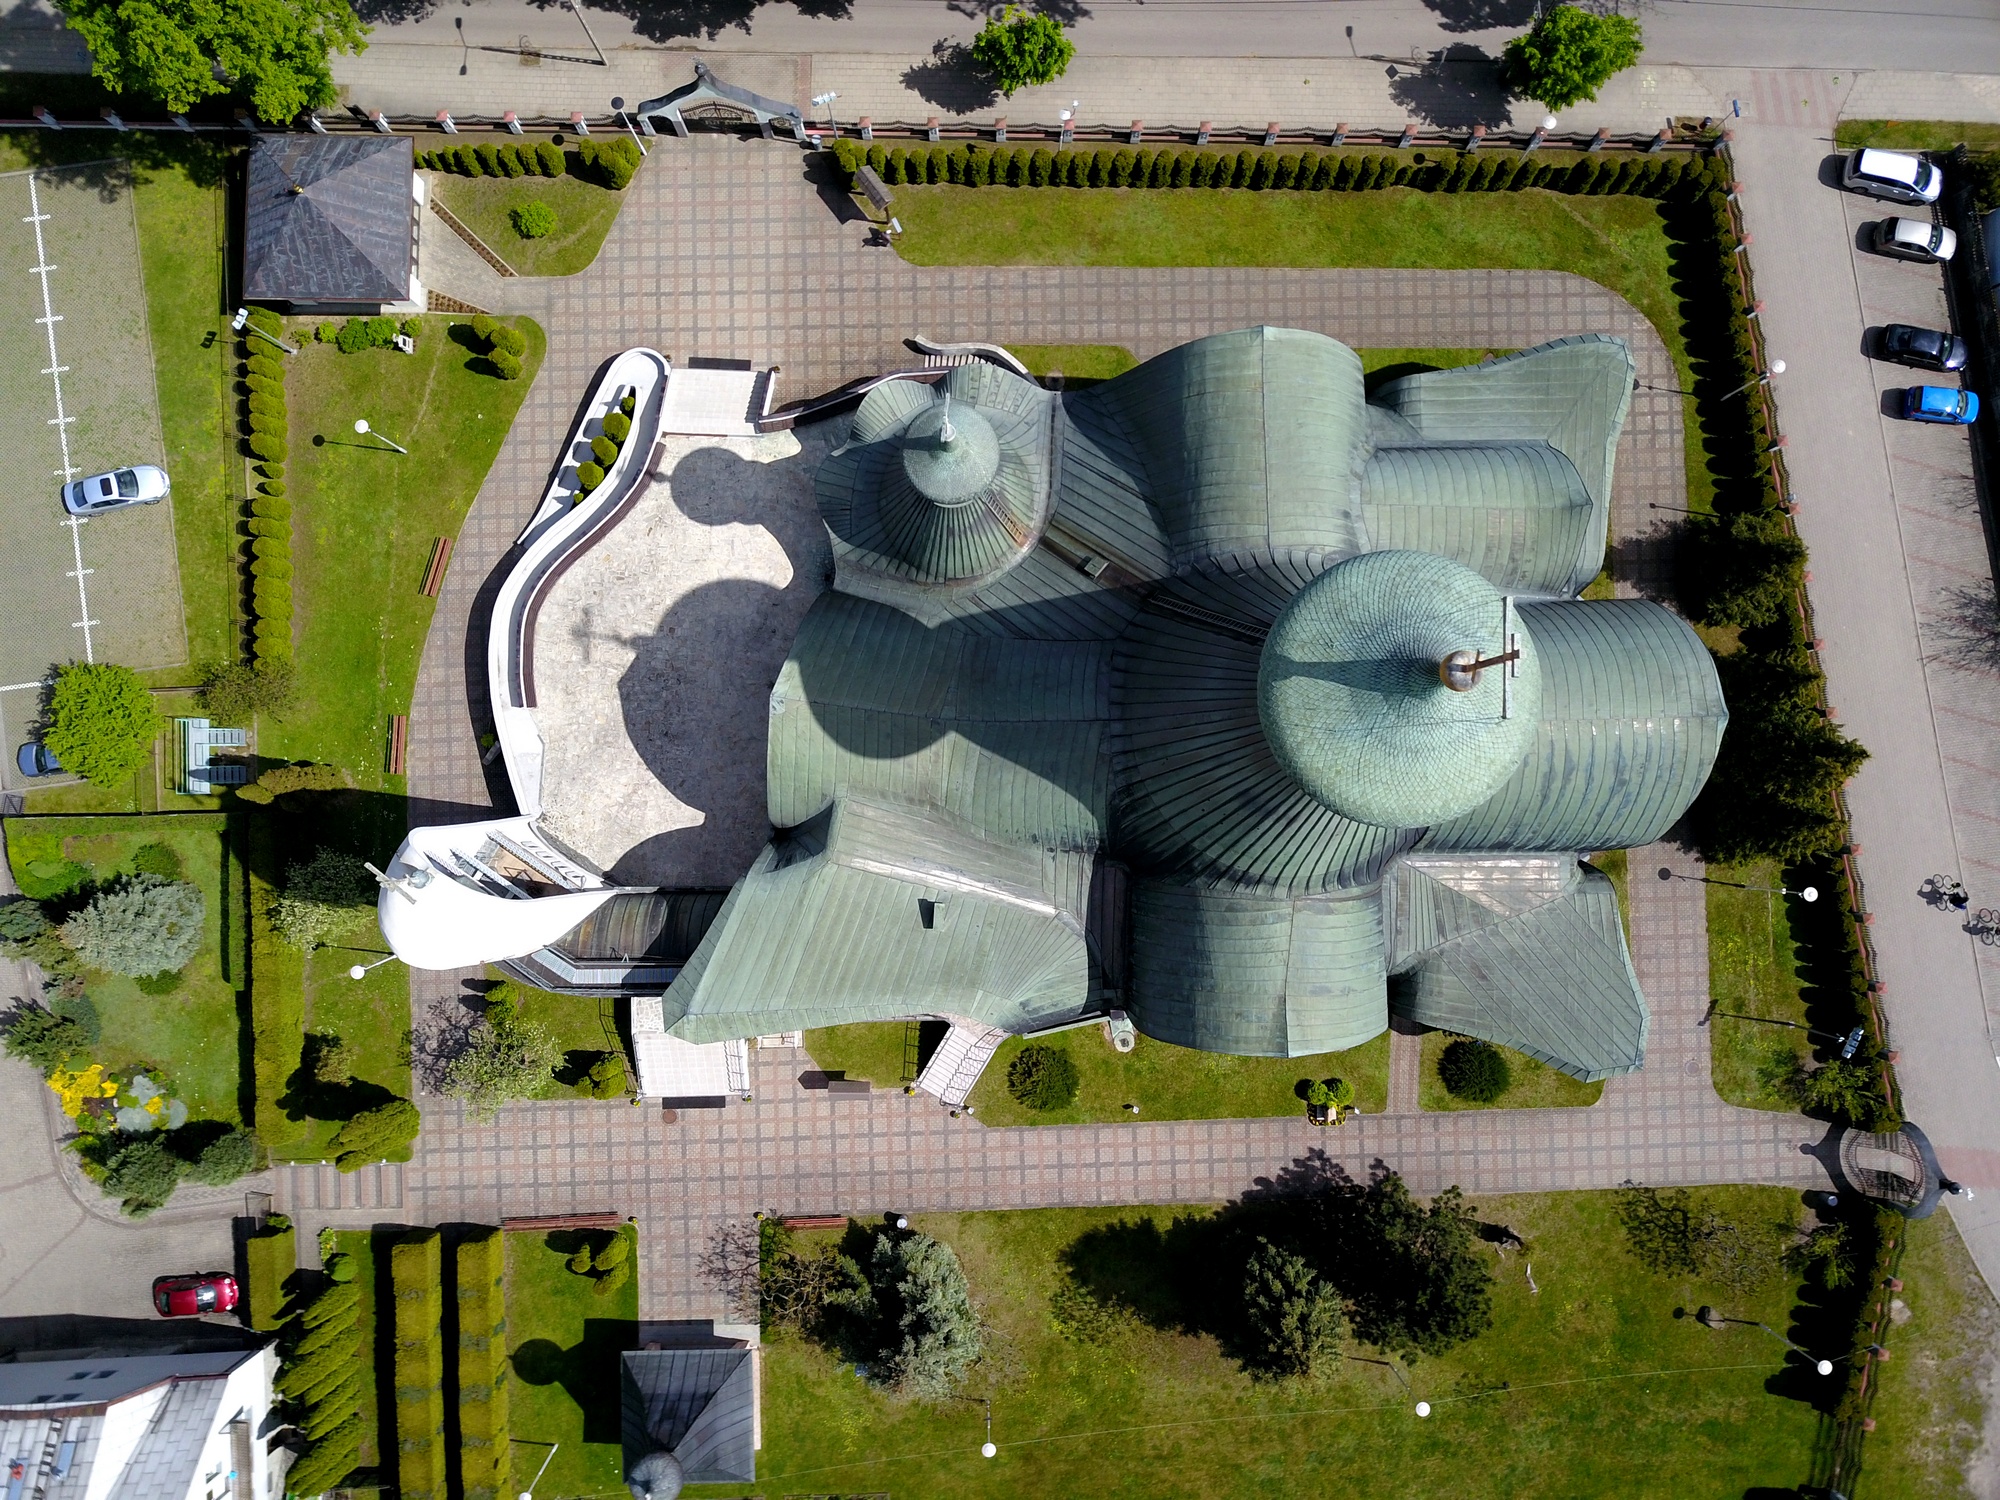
(1370, 696)
(955, 471)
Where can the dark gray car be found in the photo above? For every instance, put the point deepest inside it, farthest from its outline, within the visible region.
(1921, 348)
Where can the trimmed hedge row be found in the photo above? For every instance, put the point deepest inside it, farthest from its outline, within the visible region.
(609, 163)
(513, 159)
(604, 450)
(974, 164)
(270, 1256)
(321, 1376)
(416, 1277)
(268, 524)
(482, 1366)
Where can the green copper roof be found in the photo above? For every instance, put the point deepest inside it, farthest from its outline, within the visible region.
(1251, 443)
(1006, 735)
(1528, 954)
(1571, 394)
(1355, 704)
(1631, 720)
(1256, 975)
(917, 516)
(879, 911)
(1183, 629)
(1516, 513)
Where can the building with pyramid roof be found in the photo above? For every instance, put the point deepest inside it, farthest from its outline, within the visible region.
(330, 223)
(1224, 696)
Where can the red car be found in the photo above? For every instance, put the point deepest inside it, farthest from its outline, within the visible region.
(191, 1296)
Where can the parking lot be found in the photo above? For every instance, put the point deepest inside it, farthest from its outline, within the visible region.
(1930, 466)
(77, 396)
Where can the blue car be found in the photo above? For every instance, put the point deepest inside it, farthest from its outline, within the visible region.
(35, 760)
(1940, 403)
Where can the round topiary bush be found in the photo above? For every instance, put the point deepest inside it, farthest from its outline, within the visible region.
(533, 221)
(1474, 1071)
(588, 476)
(506, 366)
(1042, 1077)
(163, 983)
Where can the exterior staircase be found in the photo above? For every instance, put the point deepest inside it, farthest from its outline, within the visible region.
(959, 1060)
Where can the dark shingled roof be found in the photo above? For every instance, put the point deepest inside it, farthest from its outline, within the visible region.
(346, 237)
(697, 1404)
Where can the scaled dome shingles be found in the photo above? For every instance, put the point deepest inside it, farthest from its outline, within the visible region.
(1021, 772)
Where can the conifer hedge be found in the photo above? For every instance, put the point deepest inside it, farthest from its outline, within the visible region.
(416, 1278)
(320, 1377)
(482, 1366)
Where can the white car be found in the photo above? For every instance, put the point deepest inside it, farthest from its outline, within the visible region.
(1913, 239)
(1895, 175)
(142, 484)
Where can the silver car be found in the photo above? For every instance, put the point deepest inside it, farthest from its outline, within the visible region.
(142, 484)
(1913, 239)
(1895, 175)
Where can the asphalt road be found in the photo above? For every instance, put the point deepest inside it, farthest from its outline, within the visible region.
(1959, 36)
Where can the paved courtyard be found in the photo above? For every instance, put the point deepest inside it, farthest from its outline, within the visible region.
(726, 251)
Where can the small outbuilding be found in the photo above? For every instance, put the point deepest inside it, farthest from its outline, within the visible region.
(689, 1416)
(331, 223)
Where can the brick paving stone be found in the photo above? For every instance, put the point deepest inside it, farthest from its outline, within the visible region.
(724, 252)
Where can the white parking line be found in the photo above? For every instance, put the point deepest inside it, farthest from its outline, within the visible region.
(61, 420)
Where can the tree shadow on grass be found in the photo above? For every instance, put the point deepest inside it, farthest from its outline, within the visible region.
(308, 1097)
(588, 1372)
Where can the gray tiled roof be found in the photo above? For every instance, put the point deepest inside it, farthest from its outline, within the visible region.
(697, 1404)
(327, 219)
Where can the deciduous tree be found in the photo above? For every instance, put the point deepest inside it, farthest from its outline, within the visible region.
(183, 51)
(1022, 48)
(1569, 54)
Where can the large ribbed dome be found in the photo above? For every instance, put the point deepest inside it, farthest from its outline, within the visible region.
(1355, 707)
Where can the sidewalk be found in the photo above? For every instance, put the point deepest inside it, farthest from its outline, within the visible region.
(1889, 535)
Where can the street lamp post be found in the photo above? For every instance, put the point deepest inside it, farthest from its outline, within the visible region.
(825, 102)
(241, 324)
(363, 429)
(1806, 893)
(360, 971)
(1777, 368)
(618, 105)
(529, 1492)
(1714, 1321)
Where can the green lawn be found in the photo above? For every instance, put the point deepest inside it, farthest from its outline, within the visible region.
(1075, 362)
(1178, 1083)
(564, 1341)
(584, 214)
(1590, 1387)
(1535, 1085)
(193, 1033)
(1929, 1407)
(1620, 242)
(1917, 135)
(873, 1050)
(364, 520)
(1752, 971)
(584, 1027)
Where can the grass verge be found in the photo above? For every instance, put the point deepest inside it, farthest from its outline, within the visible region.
(1589, 1387)
(1075, 362)
(585, 1028)
(584, 214)
(192, 1034)
(1916, 135)
(1930, 1410)
(1753, 970)
(563, 1341)
(1179, 1083)
(1534, 1085)
(873, 1050)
